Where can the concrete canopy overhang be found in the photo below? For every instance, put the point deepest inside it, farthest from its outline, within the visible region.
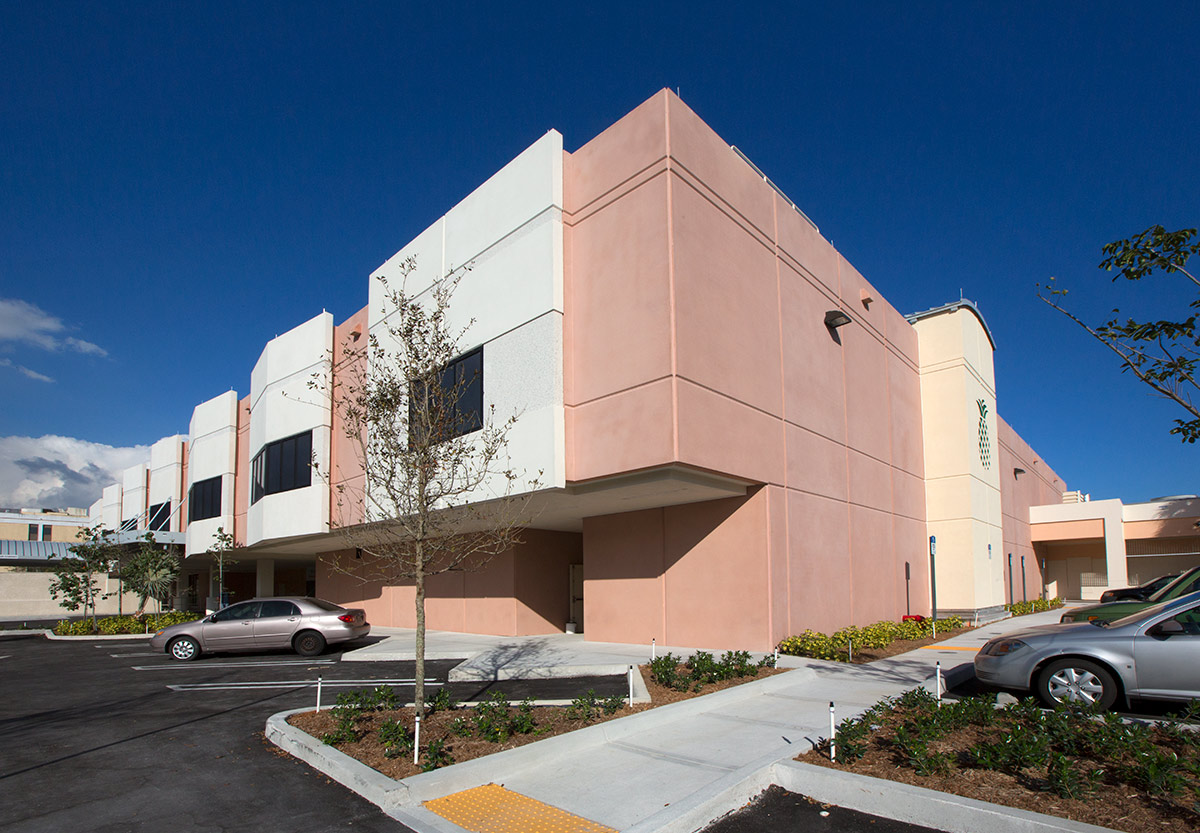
(560, 510)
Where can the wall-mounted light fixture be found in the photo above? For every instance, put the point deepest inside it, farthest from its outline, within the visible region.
(836, 318)
(1018, 472)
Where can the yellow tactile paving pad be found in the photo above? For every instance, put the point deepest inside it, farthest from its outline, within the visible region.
(493, 809)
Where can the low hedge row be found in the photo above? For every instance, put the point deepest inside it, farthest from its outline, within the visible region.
(837, 646)
(109, 625)
(1033, 606)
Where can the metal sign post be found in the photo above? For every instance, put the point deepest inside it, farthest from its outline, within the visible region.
(933, 574)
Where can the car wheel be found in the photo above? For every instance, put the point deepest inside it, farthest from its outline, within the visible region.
(1076, 682)
(309, 644)
(184, 649)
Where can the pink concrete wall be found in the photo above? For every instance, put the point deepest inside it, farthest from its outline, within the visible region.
(1039, 485)
(670, 574)
(345, 469)
(694, 335)
(520, 592)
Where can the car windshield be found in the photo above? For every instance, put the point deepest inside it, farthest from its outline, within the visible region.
(1162, 594)
(1144, 613)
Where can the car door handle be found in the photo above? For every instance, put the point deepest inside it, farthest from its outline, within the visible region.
(293, 618)
(247, 623)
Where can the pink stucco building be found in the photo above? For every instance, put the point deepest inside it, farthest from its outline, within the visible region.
(740, 437)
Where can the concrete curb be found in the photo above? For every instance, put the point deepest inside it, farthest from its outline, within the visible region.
(371, 784)
(51, 635)
(916, 805)
(390, 794)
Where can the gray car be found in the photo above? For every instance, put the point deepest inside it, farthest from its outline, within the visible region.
(1152, 654)
(304, 624)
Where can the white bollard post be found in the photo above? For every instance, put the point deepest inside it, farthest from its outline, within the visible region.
(935, 628)
(776, 665)
(939, 683)
(417, 740)
(832, 735)
(631, 686)
(318, 692)
(850, 650)
(653, 649)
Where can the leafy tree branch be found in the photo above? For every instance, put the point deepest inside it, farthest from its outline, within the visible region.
(1164, 353)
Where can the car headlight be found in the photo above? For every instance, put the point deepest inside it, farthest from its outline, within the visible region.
(1002, 647)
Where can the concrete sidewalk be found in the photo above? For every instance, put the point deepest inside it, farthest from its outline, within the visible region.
(665, 768)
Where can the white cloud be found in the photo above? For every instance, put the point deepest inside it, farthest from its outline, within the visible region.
(24, 322)
(55, 472)
(32, 374)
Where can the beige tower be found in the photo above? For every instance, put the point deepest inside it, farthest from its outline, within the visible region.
(962, 470)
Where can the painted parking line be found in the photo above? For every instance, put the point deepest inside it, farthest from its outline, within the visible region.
(140, 654)
(200, 666)
(294, 684)
(951, 647)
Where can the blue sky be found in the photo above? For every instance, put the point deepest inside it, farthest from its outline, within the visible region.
(181, 182)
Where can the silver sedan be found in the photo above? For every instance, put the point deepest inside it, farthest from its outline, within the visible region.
(1152, 654)
(304, 624)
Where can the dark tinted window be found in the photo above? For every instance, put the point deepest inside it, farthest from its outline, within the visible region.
(46, 534)
(246, 610)
(453, 404)
(129, 524)
(33, 532)
(281, 466)
(160, 516)
(324, 605)
(204, 499)
(278, 608)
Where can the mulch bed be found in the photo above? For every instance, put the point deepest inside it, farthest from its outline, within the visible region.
(551, 721)
(1114, 805)
(903, 646)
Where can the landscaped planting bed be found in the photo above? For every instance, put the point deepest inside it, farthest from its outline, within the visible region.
(110, 625)
(1073, 763)
(878, 641)
(371, 727)
(1034, 606)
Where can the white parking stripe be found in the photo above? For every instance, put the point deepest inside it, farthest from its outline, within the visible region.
(141, 654)
(293, 684)
(194, 666)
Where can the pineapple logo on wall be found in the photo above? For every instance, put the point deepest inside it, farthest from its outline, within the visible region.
(985, 442)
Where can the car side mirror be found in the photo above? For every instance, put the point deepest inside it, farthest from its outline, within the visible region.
(1168, 628)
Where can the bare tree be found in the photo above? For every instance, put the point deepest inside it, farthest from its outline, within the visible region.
(438, 491)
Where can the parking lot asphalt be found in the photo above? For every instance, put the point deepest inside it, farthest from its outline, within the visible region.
(780, 811)
(113, 736)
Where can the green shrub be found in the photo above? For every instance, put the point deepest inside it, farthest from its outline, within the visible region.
(585, 707)
(491, 718)
(437, 754)
(1033, 606)
(664, 670)
(112, 625)
(441, 701)
(836, 647)
(396, 738)
(522, 722)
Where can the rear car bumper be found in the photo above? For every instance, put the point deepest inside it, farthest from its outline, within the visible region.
(347, 634)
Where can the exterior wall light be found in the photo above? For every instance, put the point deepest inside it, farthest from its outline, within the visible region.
(836, 318)
(1017, 473)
